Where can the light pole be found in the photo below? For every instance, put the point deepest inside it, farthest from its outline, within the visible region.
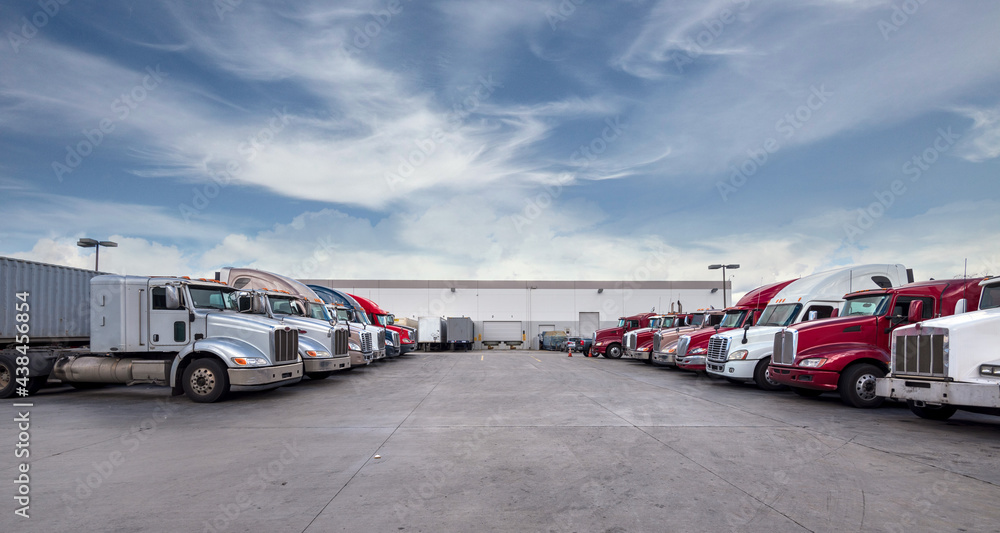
(94, 243)
(723, 267)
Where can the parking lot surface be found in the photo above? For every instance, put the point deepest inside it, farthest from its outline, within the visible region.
(498, 441)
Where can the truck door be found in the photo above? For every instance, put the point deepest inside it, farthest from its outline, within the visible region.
(167, 327)
(899, 314)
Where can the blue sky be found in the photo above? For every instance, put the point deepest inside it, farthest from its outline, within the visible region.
(503, 140)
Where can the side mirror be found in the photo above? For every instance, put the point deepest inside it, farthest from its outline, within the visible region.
(173, 297)
(244, 303)
(257, 306)
(916, 313)
(961, 306)
(813, 315)
(835, 313)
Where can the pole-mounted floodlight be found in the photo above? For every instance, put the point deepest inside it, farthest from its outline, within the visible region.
(724, 267)
(94, 243)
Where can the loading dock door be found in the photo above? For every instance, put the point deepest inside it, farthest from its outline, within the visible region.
(589, 323)
(502, 330)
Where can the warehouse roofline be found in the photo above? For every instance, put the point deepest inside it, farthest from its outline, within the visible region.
(515, 284)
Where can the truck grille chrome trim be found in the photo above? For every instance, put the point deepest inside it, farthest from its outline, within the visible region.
(656, 341)
(718, 349)
(284, 345)
(340, 338)
(366, 341)
(786, 347)
(381, 340)
(682, 345)
(925, 354)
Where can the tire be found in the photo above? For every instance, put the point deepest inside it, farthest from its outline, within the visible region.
(857, 386)
(205, 381)
(614, 351)
(942, 412)
(806, 393)
(318, 375)
(762, 376)
(7, 382)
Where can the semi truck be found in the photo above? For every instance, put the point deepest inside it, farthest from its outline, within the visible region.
(361, 348)
(632, 341)
(399, 340)
(323, 341)
(88, 331)
(608, 341)
(947, 364)
(688, 352)
(666, 337)
(744, 355)
(849, 353)
(364, 337)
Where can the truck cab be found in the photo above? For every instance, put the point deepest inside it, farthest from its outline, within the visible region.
(399, 340)
(688, 351)
(634, 341)
(849, 353)
(608, 342)
(367, 340)
(945, 364)
(744, 355)
(323, 341)
(665, 339)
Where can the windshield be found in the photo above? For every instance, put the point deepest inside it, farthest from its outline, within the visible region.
(991, 297)
(318, 311)
(343, 314)
(280, 306)
(697, 320)
(384, 320)
(872, 305)
(212, 298)
(621, 322)
(779, 315)
(733, 319)
(655, 322)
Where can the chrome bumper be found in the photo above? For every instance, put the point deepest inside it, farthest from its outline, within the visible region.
(327, 364)
(270, 377)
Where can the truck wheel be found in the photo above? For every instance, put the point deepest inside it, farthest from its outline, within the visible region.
(806, 393)
(318, 375)
(931, 412)
(7, 383)
(762, 376)
(614, 351)
(205, 381)
(857, 386)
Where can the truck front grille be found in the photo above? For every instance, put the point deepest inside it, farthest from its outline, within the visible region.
(925, 354)
(395, 338)
(630, 341)
(682, 345)
(786, 345)
(656, 341)
(718, 349)
(366, 341)
(284, 345)
(340, 338)
(381, 340)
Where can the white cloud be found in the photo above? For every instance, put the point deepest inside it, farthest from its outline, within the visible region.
(983, 139)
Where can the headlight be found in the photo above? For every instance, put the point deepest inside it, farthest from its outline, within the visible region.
(354, 346)
(698, 351)
(815, 362)
(644, 349)
(672, 349)
(388, 342)
(600, 343)
(738, 355)
(318, 353)
(989, 370)
(250, 361)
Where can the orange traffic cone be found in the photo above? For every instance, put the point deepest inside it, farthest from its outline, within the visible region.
(570, 351)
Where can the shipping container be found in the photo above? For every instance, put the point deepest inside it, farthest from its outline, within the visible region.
(432, 332)
(58, 301)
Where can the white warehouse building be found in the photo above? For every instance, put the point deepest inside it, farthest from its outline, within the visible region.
(579, 307)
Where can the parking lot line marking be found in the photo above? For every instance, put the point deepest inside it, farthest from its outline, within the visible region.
(536, 359)
(482, 357)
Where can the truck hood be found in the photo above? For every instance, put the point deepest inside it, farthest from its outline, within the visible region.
(609, 334)
(699, 339)
(841, 330)
(756, 335)
(971, 339)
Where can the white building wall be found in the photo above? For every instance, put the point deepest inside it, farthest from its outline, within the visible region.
(530, 302)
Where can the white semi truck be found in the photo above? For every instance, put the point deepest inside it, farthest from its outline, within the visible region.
(743, 355)
(88, 331)
(945, 364)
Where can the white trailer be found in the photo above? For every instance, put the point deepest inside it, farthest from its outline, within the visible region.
(432, 333)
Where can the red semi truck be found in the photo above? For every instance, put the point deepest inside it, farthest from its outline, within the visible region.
(408, 341)
(689, 352)
(608, 342)
(847, 354)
